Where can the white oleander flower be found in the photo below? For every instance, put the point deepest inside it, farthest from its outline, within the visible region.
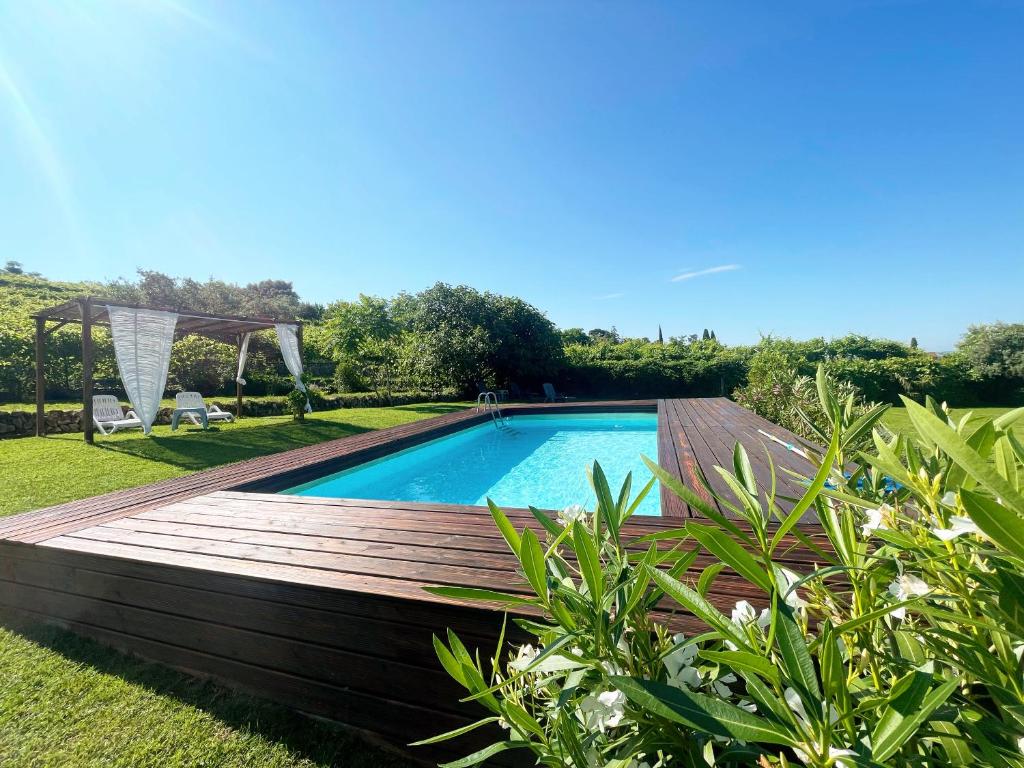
(1020, 744)
(804, 751)
(836, 756)
(744, 613)
(603, 710)
(721, 685)
(573, 513)
(527, 655)
(679, 664)
(948, 499)
(793, 599)
(958, 526)
(876, 519)
(904, 588)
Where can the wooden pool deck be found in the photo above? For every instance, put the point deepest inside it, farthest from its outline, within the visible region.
(319, 603)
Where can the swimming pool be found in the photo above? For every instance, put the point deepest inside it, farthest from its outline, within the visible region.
(540, 461)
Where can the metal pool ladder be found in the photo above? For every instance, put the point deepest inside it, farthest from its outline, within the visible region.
(488, 401)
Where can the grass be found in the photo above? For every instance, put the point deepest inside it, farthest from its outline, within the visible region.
(38, 472)
(69, 702)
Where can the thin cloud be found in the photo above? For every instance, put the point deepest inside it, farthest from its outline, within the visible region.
(610, 296)
(709, 271)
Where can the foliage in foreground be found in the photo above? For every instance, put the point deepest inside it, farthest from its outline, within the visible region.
(902, 646)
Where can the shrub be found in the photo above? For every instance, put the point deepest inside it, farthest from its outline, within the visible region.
(201, 364)
(903, 647)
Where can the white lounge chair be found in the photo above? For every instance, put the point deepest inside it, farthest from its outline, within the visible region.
(108, 416)
(195, 400)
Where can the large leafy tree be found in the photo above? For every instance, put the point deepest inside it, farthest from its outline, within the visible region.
(995, 350)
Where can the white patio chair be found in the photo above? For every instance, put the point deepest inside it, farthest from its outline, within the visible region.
(195, 400)
(108, 417)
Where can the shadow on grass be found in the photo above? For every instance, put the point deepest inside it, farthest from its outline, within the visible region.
(323, 743)
(196, 449)
(192, 448)
(436, 409)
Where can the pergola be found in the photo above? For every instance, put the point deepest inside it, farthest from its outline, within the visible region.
(91, 311)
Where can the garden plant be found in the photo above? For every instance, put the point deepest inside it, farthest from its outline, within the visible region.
(901, 646)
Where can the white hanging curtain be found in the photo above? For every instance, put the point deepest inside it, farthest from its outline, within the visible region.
(288, 338)
(142, 344)
(243, 355)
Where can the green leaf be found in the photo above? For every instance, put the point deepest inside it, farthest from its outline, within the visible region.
(487, 752)
(589, 562)
(623, 501)
(825, 395)
(1009, 418)
(732, 554)
(810, 494)
(704, 713)
(473, 593)
(606, 508)
(456, 733)
(693, 500)
(521, 719)
(865, 618)
(1003, 526)
(639, 498)
(707, 577)
(744, 472)
(965, 456)
(863, 426)
(1006, 461)
(699, 607)
(893, 738)
(549, 525)
(508, 531)
(741, 661)
(796, 659)
(1011, 598)
(904, 699)
(532, 558)
(451, 665)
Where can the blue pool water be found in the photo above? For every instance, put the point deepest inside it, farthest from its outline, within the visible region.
(540, 461)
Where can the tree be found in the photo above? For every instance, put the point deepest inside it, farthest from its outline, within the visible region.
(706, 336)
(14, 268)
(201, 364)
(574, 336)
(995, 350)
(600, 335)
(661, 339)
(913, 342)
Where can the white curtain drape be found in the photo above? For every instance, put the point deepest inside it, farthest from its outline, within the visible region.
(288, 338)
(243, 355)
(142, 345)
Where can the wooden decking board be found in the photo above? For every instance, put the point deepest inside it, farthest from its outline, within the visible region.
(305, 599)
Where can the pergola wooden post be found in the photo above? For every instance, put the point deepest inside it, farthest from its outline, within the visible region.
(91, 311)
(87, 362)
(238, 384)
(40, 377)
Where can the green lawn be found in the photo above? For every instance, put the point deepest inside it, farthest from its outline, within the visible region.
(36, 472)
(897, 420)
(69, 702)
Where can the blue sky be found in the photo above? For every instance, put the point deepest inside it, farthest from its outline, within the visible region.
(794, 168)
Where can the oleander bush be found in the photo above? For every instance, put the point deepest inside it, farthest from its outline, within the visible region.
(901, 646)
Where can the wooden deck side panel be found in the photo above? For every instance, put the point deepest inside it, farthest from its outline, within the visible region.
(319, 603)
